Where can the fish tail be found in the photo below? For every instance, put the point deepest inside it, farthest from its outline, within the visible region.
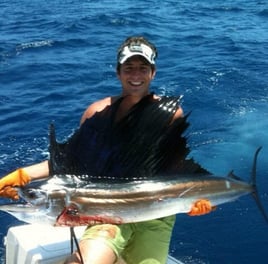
(255, 192)
(254, 167)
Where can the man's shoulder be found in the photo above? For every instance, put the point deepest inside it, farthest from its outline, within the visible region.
(98, 106)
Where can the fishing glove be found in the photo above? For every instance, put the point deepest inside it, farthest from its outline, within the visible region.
(14, 179)
(201, 207)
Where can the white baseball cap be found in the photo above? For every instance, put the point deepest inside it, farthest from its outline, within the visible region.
(137, 49)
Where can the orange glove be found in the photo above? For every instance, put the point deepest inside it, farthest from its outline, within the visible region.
(15, 179)
(201, 207)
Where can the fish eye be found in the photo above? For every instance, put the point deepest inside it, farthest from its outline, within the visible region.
(72, 211)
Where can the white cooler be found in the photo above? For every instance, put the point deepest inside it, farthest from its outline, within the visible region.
(41, 244)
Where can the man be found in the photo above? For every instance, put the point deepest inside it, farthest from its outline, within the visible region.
(146, 242)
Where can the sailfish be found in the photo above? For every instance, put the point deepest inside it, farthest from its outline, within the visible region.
(131, 170)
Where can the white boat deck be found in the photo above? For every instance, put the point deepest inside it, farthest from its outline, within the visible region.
(43, 244)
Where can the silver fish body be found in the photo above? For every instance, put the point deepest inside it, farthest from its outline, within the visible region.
(67, 201)
(124, 203)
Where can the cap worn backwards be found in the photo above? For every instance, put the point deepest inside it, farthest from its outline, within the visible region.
(137, 49)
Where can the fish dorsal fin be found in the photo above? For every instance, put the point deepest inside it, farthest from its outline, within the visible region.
(143, 144)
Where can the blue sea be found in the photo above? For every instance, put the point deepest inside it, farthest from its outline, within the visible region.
(57, 57)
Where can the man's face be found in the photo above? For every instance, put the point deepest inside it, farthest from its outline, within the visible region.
(136, 75)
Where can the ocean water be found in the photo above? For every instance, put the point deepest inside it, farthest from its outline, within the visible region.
(57, 57)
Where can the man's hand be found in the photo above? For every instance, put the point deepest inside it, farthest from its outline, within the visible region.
(201, 207)
(15, 179)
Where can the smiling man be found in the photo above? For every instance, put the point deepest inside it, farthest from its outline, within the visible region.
(137, 243)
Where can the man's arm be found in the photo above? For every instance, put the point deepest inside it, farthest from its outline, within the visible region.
(21, 177)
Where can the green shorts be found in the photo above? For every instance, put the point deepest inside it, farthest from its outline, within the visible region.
(137, 243)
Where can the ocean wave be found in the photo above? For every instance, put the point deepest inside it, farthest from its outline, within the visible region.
(34, 44)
